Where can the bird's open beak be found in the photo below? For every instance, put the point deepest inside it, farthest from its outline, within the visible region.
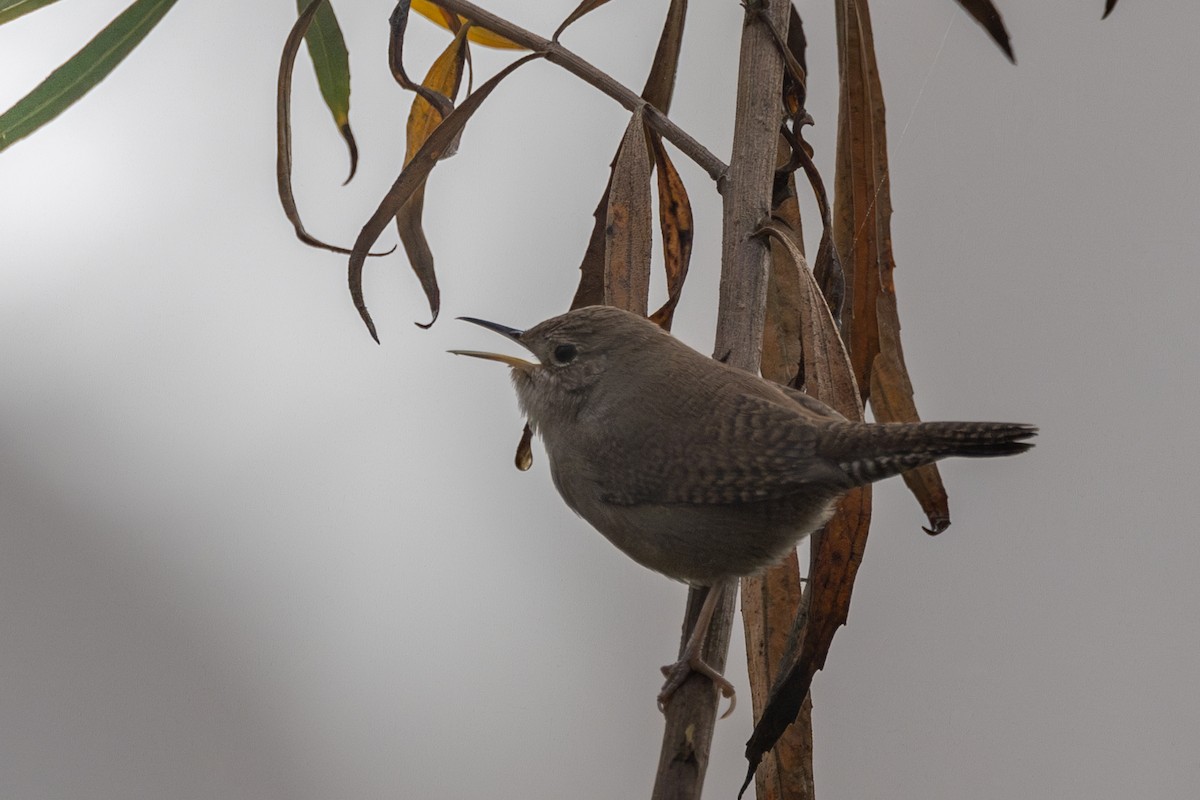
(511, 333)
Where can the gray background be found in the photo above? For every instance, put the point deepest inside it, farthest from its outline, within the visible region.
(247, 553)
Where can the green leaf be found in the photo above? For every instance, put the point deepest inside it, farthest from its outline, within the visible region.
(82, 71)
(331, 63)
(11, 9)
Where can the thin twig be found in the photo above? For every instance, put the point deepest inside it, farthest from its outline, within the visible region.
(589, 73)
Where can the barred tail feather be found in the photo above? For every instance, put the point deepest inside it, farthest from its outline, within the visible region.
(868, 453)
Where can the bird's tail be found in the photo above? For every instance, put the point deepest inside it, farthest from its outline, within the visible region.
(868, 453)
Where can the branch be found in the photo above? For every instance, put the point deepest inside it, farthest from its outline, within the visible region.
(745, 260)
(557, 54)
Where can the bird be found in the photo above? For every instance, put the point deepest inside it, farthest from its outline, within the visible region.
(693, 468)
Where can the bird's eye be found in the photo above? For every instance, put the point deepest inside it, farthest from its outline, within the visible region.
(565, 353)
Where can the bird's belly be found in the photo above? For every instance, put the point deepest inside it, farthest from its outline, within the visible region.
(700, 545)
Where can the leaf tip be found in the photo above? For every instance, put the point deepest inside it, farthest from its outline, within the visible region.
(366, 318)
(749, 775)
(937, 524)
(352, 146)
(427, 325)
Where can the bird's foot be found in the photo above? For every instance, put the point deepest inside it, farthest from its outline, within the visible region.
(678, 672)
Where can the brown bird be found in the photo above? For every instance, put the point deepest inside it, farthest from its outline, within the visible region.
(695, 469)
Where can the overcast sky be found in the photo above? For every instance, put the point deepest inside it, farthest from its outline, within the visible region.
(247, 553)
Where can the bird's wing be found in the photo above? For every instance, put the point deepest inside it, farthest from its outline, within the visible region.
(754, 448)
(812, 404)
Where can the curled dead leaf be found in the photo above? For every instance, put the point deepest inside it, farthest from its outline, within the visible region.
(283, 130)
(412, 178)
(444, 77)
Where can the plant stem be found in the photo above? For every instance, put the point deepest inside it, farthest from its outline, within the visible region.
(745, 261)
(589, 73)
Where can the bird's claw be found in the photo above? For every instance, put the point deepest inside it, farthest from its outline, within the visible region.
(678, 672)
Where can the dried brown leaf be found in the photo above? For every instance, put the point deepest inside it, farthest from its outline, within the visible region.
(420, 256)
(524, 456)
(983, 12)
(627, 234)
(676, 226)
(837, 550)
(791, 46)
(862, 228)
(770, 605)
(862, 199)
(795, 82)
(412, 178)
(771, 600)
(657, 92)
(591, 270)
(444, 77)
(827, 268)
(660, 83)
(398, 23)
(828, 373)
(782, 351)
(585, 7)
(283, 129)
(892, 401)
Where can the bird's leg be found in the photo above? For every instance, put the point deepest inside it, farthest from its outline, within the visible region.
(690, 660)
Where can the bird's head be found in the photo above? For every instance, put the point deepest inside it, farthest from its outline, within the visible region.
(573, 353)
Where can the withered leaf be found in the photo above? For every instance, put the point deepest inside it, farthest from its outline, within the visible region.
(771, 600)
(770, 604)
(1109, 5)
(584, 7)
(892, 401)
(791, 46)
(591, 270)
(827, 269)
(676, 225)
(983, 12)
(660, 83)
(283, 129)
(795, 91)
(862, 229)
(862, 198)
(398, 23)
(782, 352)
(837, 550)
(412, 178)
(828, 372)
(444, 77)
(839, 546)
(627, 233)
(524, 457)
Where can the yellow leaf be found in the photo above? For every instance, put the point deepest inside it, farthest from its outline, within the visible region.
(478, 35)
